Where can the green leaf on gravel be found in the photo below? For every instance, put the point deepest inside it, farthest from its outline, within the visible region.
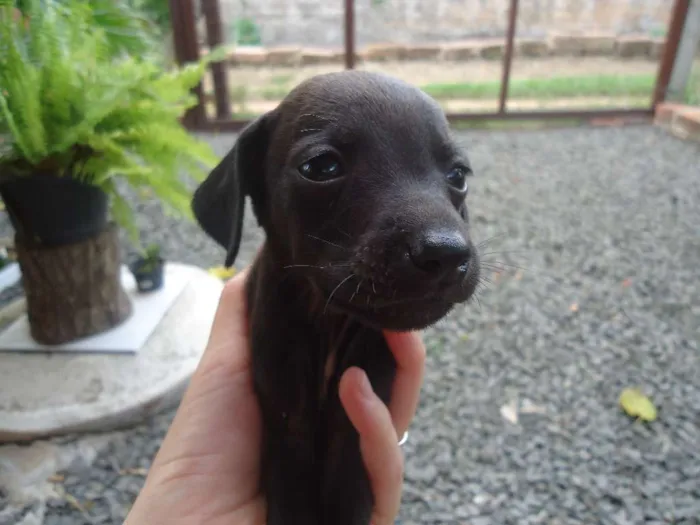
(636, 404)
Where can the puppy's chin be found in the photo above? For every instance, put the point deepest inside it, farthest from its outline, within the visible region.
(400, 318)
(403, 315)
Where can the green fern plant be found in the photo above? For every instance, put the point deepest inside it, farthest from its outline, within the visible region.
(71, 105)
(157, 11)
(130, 25)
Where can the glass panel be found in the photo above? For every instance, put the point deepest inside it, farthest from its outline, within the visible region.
(569, 54)
(273, 46)
(452, 49)
(692, 92)
(581, 55)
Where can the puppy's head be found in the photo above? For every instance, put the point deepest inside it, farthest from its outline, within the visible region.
(361, 192)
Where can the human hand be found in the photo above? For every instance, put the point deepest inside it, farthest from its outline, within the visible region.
(208, 466)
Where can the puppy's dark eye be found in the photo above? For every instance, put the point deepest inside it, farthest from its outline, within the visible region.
(457, 177)
(322, 168)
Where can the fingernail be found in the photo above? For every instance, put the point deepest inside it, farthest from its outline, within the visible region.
(366, 389)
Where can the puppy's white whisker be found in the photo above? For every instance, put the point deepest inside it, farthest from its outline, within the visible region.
(318, 117)
(374, 289)
(506, 252)
(344, 233)
(336, 289)
(485, 242)
(327, 242)
(339, 265)
(478, 301)
(357, 290)
(485, 280)
(502, 266)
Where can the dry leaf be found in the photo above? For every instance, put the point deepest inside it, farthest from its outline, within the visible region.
(222, 272)
(56, 478)
(636, 404)
(528, 407)
(574, 307)
(509, 412)
(73, 502)
(627, 283)
(134, 472)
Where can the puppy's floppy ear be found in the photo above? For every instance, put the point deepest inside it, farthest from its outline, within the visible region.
(218, 203)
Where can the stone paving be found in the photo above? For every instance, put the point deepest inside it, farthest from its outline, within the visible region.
(592, 236)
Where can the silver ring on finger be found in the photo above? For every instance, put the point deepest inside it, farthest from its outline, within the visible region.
(404, 438)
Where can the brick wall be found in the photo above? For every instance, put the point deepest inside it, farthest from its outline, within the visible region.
(318, 23)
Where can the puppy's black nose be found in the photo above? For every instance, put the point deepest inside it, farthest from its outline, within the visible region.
(441, 253)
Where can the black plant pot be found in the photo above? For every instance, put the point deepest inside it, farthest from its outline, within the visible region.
(54, 211)
(148, 274)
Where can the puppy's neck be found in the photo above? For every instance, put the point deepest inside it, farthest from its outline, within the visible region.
(278, 275)
(290, 297)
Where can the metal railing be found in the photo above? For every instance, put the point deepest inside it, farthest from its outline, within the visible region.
(187, 49)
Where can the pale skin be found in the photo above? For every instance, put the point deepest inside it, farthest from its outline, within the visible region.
(207, 468)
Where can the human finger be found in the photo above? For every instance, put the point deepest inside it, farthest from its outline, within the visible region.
(380, 451)
(229, 330)
(409, 352)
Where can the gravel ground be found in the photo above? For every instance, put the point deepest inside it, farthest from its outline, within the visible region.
(519, 423)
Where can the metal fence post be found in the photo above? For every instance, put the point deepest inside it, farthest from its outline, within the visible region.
(688, 47)
(212, 16)
(349, 34)
(675, 30)
(508, 55)
(183, 18)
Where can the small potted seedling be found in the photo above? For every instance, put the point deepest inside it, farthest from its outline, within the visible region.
(148, 269)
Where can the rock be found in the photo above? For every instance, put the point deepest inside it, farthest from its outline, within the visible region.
(460, 51)
(312, 57)
(422, 52)
(583, 45)
(248, 56)
(25, 471)
(531, 48)
(383, 52)
(492, 50)
(284, 56)
(591, 198)
(633, 46)
(422, 473)
(657, 48)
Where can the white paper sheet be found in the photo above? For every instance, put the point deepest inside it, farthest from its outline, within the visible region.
(148, 309)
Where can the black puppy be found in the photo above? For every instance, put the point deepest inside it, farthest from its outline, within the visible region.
(361, 194)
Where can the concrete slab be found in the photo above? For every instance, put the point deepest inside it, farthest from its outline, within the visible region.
(680, 120)
(52, 393)
(9, 275)
(26, 469)
(148, 310)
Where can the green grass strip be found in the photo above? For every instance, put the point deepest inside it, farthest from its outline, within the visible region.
(542, 88)
(692, 92)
